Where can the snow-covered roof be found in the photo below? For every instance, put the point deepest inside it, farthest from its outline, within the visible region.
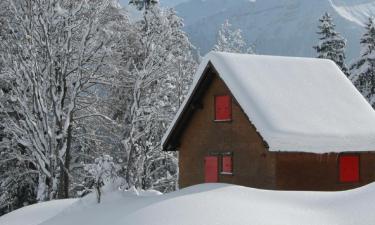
(296, 104)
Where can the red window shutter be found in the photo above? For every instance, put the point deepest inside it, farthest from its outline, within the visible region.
(227, 166)
(349, 168)
(223, 109)
(211, 169)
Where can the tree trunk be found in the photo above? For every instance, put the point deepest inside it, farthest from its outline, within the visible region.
(98, 192)
(64, 178)
(67, 160)
(42, 192)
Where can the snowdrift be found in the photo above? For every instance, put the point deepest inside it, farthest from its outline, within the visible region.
(209, 204)
(37, 213)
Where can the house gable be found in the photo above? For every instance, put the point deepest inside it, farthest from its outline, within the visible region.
(291, 102)
(195, 104)
(202, 136)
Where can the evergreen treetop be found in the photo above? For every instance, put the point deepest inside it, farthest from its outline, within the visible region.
(331, 44)
(143, 4)
(231, 40)
(363, 71)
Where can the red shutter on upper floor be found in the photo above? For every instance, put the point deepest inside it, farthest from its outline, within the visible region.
(223, 109)
(227, 164)
(349, 168)
(211, 169)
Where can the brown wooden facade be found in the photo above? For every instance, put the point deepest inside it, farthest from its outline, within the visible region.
(198, 135)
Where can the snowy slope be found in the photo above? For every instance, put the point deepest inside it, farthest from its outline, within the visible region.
(219, 204)
(36, 214)
(171, 3)
(278, 27)
(356, 11)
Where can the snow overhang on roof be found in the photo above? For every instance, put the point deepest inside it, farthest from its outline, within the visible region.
(296, 104)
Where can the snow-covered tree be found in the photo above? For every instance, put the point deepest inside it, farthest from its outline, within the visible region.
(331, 44)
(17, 177)
(55, 51)
(231, 40)
(17, 174)
(158, 72)
(102, 171)
(78, 80)
(95, 131)
(143, 4)
(363, 71)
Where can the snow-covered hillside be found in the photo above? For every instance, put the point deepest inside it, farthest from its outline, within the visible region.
(281, 27)
(37, 213)
(209, 204)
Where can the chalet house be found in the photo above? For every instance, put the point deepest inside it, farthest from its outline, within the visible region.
(270, 122)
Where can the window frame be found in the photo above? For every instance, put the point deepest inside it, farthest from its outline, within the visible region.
(339, 168)
(230, 108)
(222, 155)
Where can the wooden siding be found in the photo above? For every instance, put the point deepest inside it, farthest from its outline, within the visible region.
(253, 165)
(308, 171)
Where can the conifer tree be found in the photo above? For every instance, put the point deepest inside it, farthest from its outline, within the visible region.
(231, 40)
(363, 71)
(143, 4)
(331, 44)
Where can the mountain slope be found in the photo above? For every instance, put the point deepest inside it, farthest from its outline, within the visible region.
(279, 27)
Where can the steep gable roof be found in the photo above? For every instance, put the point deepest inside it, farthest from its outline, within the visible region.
(296, 104)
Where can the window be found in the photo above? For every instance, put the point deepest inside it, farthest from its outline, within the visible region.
(227, 164)
(223, 109)
(349, 168)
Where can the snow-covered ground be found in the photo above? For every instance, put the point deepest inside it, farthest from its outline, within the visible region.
(209, 204)
(37, 213)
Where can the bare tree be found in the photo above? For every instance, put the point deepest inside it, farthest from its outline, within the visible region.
(56, 52)
(156, 76)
